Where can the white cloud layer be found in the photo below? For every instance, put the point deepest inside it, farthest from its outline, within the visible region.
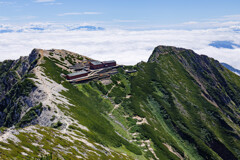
(127, 47)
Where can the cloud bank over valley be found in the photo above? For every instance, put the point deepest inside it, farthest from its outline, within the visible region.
(125, 46)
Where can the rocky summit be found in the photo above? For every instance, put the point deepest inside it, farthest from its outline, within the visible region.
(178, 105)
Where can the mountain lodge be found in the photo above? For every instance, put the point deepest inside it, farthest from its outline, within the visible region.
(99, 65)
(77, 75)
(92, 70)
(96, 65)
(109, 63)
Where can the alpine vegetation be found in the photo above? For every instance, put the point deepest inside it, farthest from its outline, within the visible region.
(56, 104)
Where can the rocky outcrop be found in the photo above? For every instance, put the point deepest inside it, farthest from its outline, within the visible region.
(161, 50)
(24, 86)
(16, 86)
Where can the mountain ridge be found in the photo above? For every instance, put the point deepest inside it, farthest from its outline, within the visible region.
(178, 105)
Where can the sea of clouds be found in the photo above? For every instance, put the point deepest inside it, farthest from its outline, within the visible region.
(125, 46)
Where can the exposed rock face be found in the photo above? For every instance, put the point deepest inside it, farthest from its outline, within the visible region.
(161, 50)
(20, 92)
(15, 88)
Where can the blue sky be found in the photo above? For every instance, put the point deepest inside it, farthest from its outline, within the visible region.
(124, 30)
(131, 13)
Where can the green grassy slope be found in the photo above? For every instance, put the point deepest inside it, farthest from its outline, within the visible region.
(178, 105)
(212, 130)
(89, 107)
(190, 103)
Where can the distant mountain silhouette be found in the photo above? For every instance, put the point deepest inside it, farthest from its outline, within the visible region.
(231, 68)
(224, 44)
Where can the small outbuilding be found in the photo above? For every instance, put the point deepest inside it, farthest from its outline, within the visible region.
(96, 65)
(109, 63)
(77, 75)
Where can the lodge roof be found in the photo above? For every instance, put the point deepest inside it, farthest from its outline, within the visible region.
(77, 73)
(96, 63)
(111, 61)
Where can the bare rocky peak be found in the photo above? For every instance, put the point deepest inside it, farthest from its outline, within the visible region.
(63, 58)
(185, 56)
(14, 74)
(54, 53)
(161, 50)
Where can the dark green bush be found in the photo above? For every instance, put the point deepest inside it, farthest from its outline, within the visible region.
(57, 124)
(118, 100)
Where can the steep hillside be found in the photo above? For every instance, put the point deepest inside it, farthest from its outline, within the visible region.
(178, 105)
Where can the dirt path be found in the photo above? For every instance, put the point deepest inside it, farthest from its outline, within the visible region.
(173, 151)
(115, 107)
(111, 89)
